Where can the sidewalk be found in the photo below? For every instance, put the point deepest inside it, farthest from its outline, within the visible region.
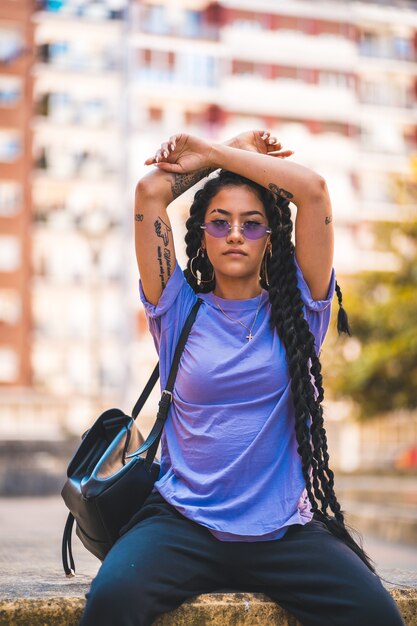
(30, 552)
(34, 590)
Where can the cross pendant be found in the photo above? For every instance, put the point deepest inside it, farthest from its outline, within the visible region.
(250, 336)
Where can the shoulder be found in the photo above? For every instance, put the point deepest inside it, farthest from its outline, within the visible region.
(176, 294)
(306, 296)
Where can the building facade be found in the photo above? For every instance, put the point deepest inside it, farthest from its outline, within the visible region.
(337, 81)
(106, 83)
(16, 99)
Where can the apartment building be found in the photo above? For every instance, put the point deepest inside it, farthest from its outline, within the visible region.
(16, 96)
(111, 79)
(336, 81)
(78, 197)
(65, 207)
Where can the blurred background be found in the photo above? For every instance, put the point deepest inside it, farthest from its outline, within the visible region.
(88, 90)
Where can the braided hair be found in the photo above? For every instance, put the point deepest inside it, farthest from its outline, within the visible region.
(278, 277)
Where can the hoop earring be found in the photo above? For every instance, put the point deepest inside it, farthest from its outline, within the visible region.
(199, 280)
(264, 265)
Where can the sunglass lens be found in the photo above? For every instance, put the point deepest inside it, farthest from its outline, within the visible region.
(217, 229)
(253, 230)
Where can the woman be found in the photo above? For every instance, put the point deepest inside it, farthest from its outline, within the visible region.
(245, 496)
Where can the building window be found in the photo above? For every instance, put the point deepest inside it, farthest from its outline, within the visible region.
(9, 365)
(334, 79)
(155, 20)
(11, 44)
(10, 253)
(10, 91)
(10, 198)
(403, 48)
(10, 146)
(248, 20)
(10, 306)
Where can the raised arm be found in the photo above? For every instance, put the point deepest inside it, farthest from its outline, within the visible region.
(305, 188)
(154, 242)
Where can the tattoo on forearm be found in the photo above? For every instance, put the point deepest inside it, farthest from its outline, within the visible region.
(161, 268)
(328, 219)
(164, 255)
(162, 230)
(167, 257)
(182, 182)
(139, 217)
(280, 192)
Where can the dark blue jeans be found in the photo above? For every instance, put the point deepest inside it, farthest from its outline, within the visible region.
(163, 558)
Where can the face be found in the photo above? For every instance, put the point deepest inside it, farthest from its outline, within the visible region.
(235, 255)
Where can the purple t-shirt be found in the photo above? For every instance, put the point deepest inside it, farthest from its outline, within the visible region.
(229, 456)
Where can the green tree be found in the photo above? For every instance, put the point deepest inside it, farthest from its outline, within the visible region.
(377, 366)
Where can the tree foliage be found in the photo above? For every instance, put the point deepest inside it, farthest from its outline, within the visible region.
(377, 367)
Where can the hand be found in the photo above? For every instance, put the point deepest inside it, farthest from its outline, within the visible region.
(259, 141)
(182, 154)
(253, 140)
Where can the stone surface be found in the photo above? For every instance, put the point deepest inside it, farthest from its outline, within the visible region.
(224, 609)
(41, 612)
(406, 600)
(218, 609)
(215, 609)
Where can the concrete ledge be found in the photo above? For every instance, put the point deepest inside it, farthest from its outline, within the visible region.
(41, 611)
(215, 609)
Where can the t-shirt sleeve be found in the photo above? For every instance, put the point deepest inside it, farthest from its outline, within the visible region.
(166, 319)
(317, 312)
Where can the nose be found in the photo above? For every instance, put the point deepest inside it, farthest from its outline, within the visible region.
(235, 233)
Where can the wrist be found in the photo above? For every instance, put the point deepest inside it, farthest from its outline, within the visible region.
(216, 156)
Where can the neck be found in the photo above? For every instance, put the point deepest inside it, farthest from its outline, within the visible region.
(236, 288)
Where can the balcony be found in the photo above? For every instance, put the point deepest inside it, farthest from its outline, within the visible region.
(186, 21)
(375, 112)
(288, 98)
(368, 65)
(175, 44)
(290, 48)
(48, 130)
(100, 83)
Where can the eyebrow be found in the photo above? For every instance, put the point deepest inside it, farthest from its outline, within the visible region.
(242, 214)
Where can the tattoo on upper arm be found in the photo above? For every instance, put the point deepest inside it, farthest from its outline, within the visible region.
(280, 192)
(328, 219)
(164, 255)
(182, 182)
(139, 217)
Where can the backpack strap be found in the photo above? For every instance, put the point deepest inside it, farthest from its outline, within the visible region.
(152, 441)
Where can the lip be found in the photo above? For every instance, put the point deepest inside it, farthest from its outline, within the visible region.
(235, 252)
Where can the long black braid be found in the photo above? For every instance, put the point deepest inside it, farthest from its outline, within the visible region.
(278, 276)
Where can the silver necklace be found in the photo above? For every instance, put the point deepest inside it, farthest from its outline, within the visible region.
(250, 336)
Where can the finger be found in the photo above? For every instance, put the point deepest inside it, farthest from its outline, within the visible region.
(281, 154)
(158, 156)
(150, 160)
(173, 141)
(173, 168)
(266, 134)
(165, 149)
(274, 147)
(282, 151)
